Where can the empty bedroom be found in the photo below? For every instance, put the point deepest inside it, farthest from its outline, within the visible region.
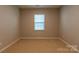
(39, 28)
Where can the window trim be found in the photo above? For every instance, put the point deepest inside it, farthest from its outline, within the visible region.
(34, 22)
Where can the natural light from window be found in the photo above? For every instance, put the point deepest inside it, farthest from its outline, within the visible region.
(39, 22)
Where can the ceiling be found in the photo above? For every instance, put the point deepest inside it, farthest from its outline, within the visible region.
(39, 6)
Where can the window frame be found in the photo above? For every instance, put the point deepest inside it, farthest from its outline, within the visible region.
(39, 22)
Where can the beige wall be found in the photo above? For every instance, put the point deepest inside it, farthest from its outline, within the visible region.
(9, 25)
(51, 21)
(69, 24)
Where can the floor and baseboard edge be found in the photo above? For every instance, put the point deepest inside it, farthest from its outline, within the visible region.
(9, 45)
(75, 49)
(69, 45)
(39, 38)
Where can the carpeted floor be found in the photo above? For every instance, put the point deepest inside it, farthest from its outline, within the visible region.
(38, 46)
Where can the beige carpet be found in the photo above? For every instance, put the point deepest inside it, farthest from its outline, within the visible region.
(38, 46)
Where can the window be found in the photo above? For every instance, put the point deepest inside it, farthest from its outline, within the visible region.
(39, 21)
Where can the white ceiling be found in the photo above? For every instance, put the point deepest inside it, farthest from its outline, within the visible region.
(39, 6)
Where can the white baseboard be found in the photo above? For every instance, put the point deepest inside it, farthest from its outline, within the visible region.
(39, 38)
(9, 45)
(69, 45)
